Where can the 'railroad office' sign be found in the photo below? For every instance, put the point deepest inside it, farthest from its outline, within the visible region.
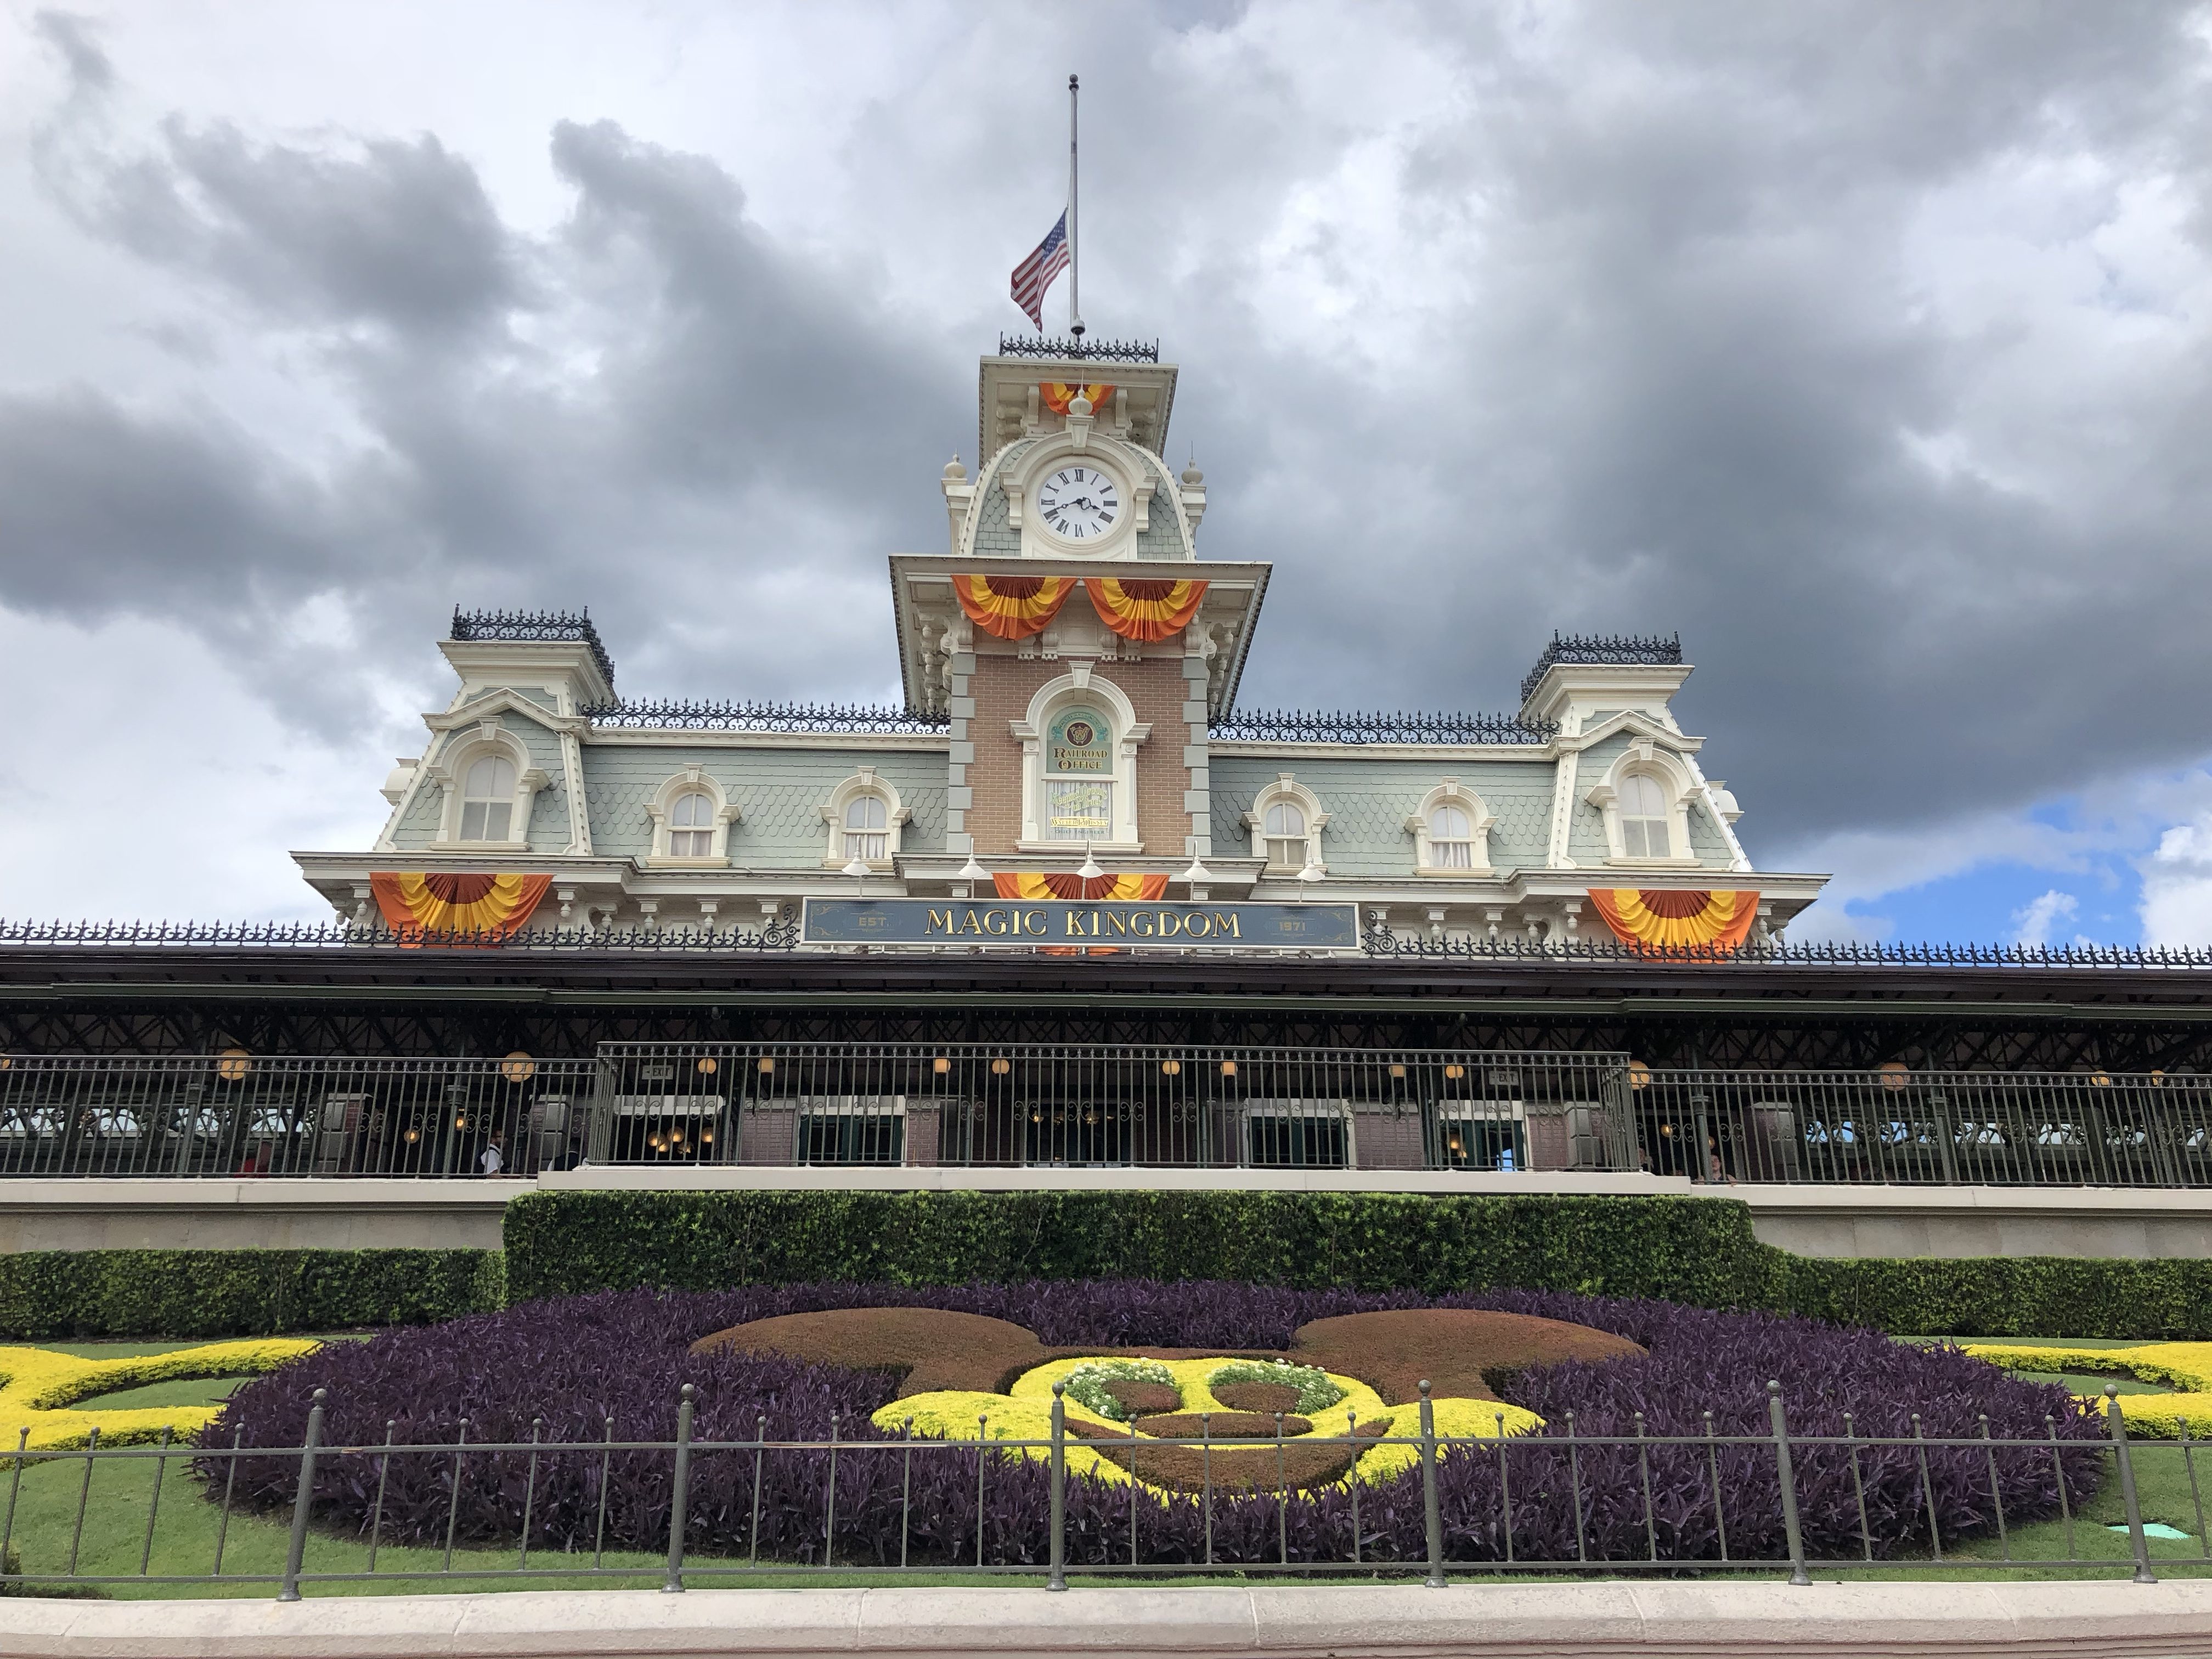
(1077, 923)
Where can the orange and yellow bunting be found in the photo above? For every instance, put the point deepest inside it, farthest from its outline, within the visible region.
(1674, 919)
(455, 908)
(1052, 884)
(1012, 607)
(1144, 609)
(1057, 397)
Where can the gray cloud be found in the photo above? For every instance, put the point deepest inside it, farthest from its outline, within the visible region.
(1617, 317)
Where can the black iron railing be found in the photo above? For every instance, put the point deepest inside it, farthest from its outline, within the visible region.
(1603, 648)
(1361, 727)
(1079, 350)
(808, 717)
(1467, 1505)
(531, 625)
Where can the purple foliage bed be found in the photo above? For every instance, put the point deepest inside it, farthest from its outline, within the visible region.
(564, 1367)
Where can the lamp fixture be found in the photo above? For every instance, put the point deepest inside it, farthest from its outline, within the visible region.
(1198, 875)
(972, 871)
(1089, 869)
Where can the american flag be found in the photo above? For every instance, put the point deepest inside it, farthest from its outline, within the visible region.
(1035, 274)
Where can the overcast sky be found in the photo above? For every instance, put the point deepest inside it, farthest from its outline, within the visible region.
(1864, 344)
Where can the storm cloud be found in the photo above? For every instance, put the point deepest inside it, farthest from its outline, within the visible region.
(1864, 344)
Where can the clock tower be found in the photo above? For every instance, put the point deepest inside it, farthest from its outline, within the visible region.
(1072, 636)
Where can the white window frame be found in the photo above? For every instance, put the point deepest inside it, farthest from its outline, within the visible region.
(1677, 789)
(1287, 790)
(865, 780)
(493, 741)
(694, 779)
(1452, 792)
(1080, 685)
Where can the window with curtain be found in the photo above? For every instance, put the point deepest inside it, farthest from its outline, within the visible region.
(488, 799)
(867, 828)
(1285, 828)
(1644, 832)
(691, 826)
(1451, 838)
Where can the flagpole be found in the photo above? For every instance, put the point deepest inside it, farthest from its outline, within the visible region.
(1074, 245)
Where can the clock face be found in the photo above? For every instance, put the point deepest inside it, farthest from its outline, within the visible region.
(1080, 502)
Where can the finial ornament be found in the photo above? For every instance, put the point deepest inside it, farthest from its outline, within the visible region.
(954, 472)
(1078, 404)
(1192, 476)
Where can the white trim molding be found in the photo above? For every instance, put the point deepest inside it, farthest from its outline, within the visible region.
(863, 781)
(1286, 789)
(1452, 792)
(691, 781)
(1080, 685)
(1678, 786)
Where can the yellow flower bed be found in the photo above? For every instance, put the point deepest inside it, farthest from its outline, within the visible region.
(1025, 1415)
(2187, 1365)
(39, 1389)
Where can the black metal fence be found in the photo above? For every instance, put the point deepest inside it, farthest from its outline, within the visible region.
(1072, 1105)
(238, 1114)
(1590, 1477)
(1951, 1129)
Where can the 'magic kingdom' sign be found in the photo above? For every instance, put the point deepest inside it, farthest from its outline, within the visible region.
(1080, 922)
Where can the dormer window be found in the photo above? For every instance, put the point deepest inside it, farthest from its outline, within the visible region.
(868, 828)
(488, 799)
(1286, 822)
(1286, 834)
(1644, 832)
(691, 826)
(1451, 839)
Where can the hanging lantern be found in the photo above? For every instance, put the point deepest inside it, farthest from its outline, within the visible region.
(767, 1065)
(1896, 1076)
(941, 1064)
(1639, 1075)
(708, 1065)
(1000, 1067)
(517, 1067)
(233, 1065)
(1397, 1073)
(1171, 1067)
(1229, 1068)
(1454, 1072)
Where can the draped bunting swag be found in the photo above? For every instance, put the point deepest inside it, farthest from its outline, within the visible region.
(1143, 609)
(1057, 397)
(1012, 607)
(477, 907)
(1052, 884)
(1673, 920)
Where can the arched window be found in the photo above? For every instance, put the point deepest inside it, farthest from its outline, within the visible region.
(1643, 833)
(691, 826)
(1078, 774)
(488, 798)
(1285, 831)
(1451, 838)
(868, 828)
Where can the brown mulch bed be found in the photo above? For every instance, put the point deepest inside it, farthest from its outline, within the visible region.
(1245, 1467)
(1144, 1399)
(1222, 1425)
(1260, 1396)
(1458, 1350)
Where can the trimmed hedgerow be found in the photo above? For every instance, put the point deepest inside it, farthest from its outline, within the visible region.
(1695, 1251)
(49, 1295)
(1692, 1251)
(561, 1368)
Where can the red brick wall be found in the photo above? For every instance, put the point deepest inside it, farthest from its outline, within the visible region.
(1002, 688)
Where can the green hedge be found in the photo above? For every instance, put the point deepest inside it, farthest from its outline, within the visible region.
(1690, 1249)
(1695, 1250)
(50, 1294)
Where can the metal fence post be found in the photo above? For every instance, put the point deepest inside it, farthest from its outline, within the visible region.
(297, 1552)
(2117, 1423)
(1431, 1515)
(1058, 1579)
(677, 1516)
(1788, 1476)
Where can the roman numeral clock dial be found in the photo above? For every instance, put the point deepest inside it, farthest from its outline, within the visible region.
(1078, 502)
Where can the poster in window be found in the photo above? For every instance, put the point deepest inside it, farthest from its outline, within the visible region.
(1078, 741)
(1081, 809)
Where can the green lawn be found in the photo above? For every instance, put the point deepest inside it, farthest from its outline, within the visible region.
(114, 1538)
